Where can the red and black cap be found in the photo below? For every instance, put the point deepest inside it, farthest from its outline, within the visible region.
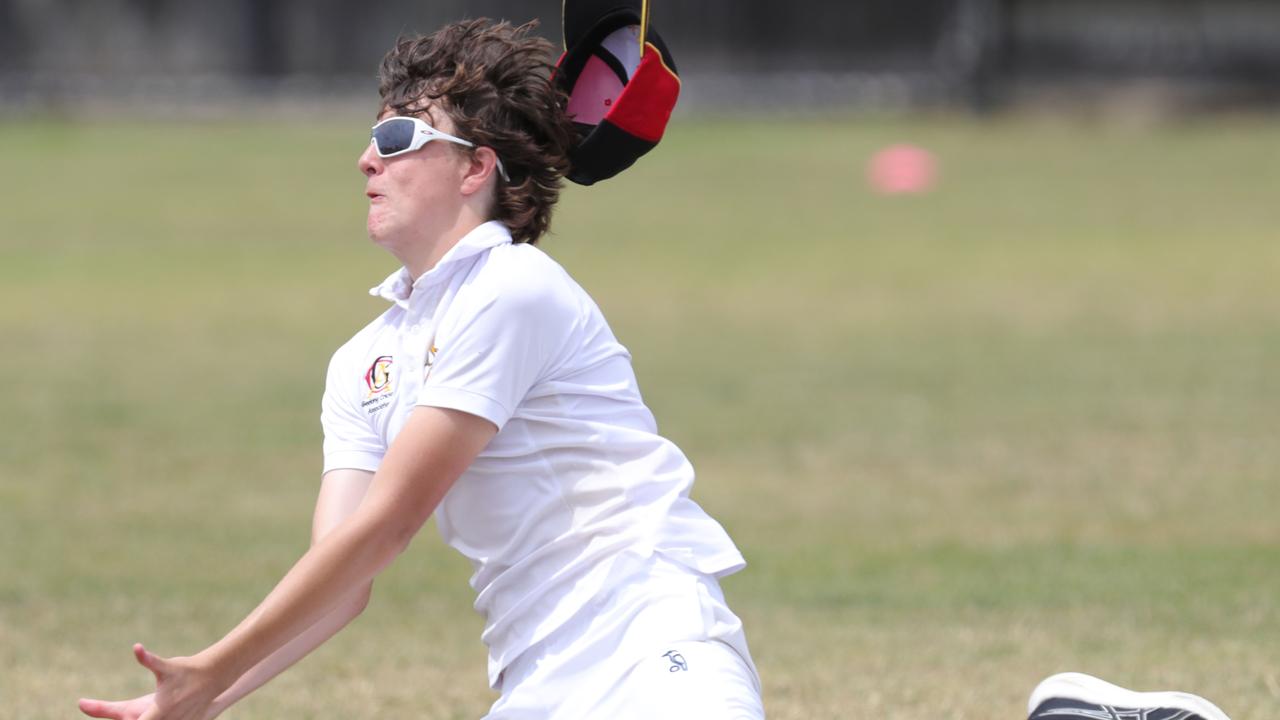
(621, 82)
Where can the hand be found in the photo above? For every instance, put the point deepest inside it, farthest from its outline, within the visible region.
(118, 710)
(185, 689)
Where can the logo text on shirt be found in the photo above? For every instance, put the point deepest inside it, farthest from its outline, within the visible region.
(378, 380)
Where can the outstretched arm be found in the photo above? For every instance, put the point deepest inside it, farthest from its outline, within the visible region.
(431, 452)
(341, 492)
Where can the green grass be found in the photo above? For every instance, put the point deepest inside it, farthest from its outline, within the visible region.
(1023, 424)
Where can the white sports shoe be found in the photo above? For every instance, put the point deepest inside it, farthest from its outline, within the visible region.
(1075, 696)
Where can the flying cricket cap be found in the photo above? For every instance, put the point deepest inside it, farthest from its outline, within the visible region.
(621, 82)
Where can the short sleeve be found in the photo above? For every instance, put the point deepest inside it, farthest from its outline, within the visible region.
(349, 439)
(498, 340)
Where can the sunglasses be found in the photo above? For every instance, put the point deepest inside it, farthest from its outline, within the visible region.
(399, 135)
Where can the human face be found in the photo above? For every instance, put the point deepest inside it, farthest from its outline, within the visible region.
(415, 198)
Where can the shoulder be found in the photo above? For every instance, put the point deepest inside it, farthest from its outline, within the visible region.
(519, 277)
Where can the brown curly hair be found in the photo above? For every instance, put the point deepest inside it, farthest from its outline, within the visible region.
(495, 82)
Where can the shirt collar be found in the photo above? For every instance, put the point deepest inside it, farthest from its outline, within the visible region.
(398, 286)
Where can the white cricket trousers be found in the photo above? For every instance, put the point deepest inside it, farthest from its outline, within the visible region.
(661, 644)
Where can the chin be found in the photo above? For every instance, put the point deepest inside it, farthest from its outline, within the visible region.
(379, 229)
(379, 238)
(385, 237)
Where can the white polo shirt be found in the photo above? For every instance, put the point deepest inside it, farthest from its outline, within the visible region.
(577, 473)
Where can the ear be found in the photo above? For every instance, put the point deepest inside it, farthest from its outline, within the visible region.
(482, 167)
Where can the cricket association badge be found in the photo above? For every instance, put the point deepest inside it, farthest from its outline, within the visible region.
(378, 377)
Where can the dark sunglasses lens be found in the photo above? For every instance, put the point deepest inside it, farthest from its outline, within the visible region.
(393, 136)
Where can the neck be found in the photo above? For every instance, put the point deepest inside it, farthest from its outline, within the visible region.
(424, 254)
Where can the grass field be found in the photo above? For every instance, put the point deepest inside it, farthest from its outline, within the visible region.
(1024, 424)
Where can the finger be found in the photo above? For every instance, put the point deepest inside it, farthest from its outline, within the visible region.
(150, 661)
(100, 709)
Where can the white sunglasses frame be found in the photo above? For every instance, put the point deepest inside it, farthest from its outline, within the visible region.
(423, 134)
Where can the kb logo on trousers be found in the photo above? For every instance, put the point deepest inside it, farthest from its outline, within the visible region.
(677, 661)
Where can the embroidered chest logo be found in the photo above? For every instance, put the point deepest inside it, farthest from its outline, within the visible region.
(378, 381)
(378, 377)
(431, 360)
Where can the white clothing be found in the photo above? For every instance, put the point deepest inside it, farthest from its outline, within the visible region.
(659, 643)
(576, 477)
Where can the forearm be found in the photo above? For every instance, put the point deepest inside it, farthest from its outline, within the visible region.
(432, 450)
(294, 650)
(348, 558)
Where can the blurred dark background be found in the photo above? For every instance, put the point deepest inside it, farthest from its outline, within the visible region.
(734, 54)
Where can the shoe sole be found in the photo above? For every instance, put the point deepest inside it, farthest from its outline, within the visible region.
(1089, 689)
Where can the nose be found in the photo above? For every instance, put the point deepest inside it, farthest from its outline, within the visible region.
(369, 162)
